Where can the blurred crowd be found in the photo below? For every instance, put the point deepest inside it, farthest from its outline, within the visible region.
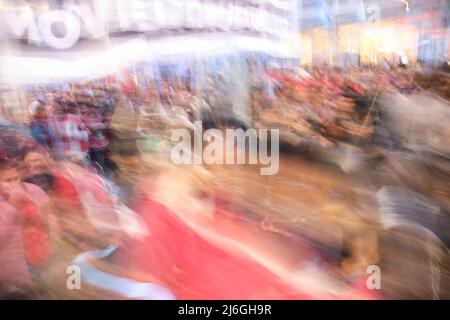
(87, 181)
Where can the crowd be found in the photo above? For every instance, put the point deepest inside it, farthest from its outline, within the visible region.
(77, 188)
(329, 105)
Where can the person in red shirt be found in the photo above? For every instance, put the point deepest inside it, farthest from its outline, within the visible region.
(15, 278)
(75, 136)
(32, 205)
(98, 141)
(82, 202)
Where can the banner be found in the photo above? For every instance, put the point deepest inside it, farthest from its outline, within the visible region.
(51, 41)
(62, 26)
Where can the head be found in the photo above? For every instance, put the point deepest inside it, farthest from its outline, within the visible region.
(10, 176)
(40, 113)
(58, 108)
(36, 162)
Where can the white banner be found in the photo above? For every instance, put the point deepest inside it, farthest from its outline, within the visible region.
(91, 38)
(64, 26)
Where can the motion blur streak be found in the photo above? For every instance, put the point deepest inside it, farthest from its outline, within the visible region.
(135, 138)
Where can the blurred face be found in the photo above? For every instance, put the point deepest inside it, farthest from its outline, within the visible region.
(41, 113)
(9, 180)
(35, 163)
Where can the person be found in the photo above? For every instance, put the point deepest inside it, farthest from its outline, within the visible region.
(75, 136)
(124, 124)
(39, 127)
(89, 218)
(15, 278)
(32, 205)
(56, 127)
(36, 169)
(49, 102)
(98, 141)
(81, 203)
(82, 198)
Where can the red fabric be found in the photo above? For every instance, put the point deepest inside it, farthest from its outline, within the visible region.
(69, 190)
(192, 267)
(35, 235)
(65, 189)
(356, 87)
